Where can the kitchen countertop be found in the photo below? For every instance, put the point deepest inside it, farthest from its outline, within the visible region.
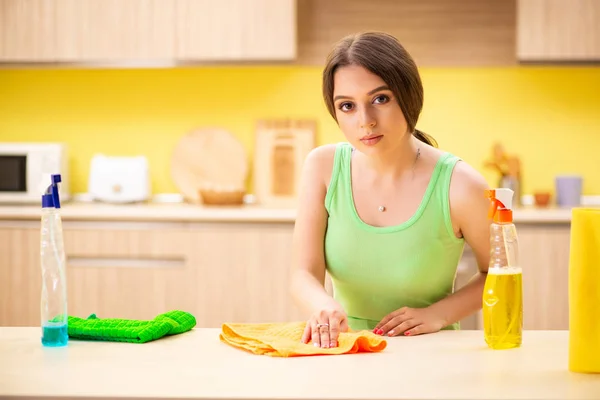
(184, 212)
(196, 365)
(181, 212)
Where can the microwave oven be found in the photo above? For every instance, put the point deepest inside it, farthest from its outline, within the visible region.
(25, 170)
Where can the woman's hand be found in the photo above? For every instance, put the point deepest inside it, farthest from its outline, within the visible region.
(324, 327)
(410, 322)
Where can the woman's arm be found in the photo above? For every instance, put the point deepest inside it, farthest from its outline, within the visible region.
(326, 317)
(469, 209)
(308, 275)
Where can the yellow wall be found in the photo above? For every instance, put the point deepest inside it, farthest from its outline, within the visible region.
(548, 116)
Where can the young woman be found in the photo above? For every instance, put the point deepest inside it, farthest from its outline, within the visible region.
(386, 213)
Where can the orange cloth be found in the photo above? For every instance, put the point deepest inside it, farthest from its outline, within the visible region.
(283, 340)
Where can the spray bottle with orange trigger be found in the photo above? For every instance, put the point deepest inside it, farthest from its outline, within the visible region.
(503, 290)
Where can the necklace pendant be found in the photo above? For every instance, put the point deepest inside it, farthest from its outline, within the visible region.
(381, 208)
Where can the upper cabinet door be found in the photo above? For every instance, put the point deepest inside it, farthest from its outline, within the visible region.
(228, 30)
(115, 30)
(558, 30)
(87, 30)
(28, 30)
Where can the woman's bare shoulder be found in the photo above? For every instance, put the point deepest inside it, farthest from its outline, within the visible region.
(467, 181)
(469, 206)
(320, 161)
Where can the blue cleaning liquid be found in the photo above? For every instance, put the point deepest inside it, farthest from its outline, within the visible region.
(55, 335)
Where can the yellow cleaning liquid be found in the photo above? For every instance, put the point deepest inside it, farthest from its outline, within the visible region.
(503, 307)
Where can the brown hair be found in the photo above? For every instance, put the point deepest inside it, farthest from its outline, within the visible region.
(383, 55)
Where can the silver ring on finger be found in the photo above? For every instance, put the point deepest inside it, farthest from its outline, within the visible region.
(321, 325)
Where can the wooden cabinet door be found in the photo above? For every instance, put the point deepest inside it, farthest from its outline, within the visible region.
(243, 272)
(544, 257)
(20, 275)
(236, 30)
(115, 30)
(558, 30)
(133, 271)
(28, 30)
(87, 30)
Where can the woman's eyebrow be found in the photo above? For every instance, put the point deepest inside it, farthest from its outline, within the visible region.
(377, 89)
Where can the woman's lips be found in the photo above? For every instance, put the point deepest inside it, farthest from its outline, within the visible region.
(371, 140)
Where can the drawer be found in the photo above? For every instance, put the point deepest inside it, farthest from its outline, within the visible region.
(126, 244)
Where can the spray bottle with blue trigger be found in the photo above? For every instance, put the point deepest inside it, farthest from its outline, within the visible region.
(53, 308)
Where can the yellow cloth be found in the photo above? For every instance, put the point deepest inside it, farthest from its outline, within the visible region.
(283, 340)
(584, 291)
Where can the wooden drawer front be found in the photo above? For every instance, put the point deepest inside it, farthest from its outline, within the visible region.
(124, 241)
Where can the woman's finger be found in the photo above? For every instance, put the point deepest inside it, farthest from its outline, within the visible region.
(344, 324)
(393, 323)
(315, 334)
(323, 328)
(401, 328)
(306, 333)
(334, 330)
(386, 320)
(417, 330)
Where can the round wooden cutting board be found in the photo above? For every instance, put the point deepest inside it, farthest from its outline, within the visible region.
(208, 158)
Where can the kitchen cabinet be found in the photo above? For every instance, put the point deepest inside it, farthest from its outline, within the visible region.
(20, 275)
(437, 33)
(544, 258)
(231, 270)
(230, 30)
(558, 30)
(86, 30)
(243, 272)
(220, 272)
(146, 31)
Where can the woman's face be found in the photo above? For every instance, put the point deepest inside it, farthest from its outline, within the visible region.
(367, 111)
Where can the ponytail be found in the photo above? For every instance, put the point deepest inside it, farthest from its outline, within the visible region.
(425, 138)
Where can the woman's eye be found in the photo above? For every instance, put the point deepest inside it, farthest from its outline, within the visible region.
(345, 106)
(382, 99)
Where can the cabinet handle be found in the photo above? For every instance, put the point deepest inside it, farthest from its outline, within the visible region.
(122, 262)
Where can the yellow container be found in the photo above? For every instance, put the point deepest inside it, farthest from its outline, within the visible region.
(584, 291)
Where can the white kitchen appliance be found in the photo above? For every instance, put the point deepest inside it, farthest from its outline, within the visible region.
(115, 179)
(25, 170)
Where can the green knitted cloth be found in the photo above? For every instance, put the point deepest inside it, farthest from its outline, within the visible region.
(127, 330)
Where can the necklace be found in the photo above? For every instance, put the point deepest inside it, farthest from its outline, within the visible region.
(382, 207)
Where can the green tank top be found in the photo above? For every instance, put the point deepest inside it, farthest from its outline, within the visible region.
(376, 270)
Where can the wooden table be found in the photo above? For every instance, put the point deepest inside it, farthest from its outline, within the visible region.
(196, 365)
